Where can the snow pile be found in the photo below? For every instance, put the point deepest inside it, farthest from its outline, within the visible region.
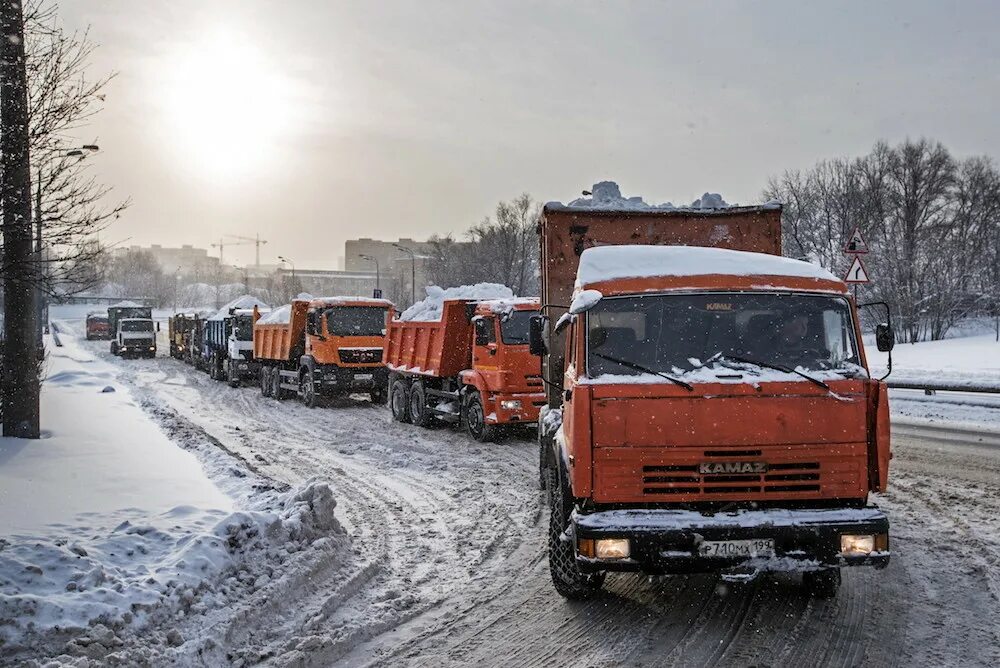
(431, 308)
(607, 195)
(606, 263)
(242, 302)
(180, 562)
(505, 307)
(279, 316)
(709, 201)
(126, 304)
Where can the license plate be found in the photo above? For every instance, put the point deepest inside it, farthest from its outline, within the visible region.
(758, 547)
(363, 376)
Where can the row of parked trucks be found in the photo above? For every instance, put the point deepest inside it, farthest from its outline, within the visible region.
(703, 404)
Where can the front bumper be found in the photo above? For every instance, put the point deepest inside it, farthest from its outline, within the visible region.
(666, 541)
(341, 379)
(527, 413)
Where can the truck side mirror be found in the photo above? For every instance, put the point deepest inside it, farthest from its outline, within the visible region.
(536, 335)
(885, 338)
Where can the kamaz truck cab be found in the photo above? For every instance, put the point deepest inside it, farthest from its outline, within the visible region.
(716, 414)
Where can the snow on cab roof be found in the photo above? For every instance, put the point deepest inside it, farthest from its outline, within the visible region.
(503, 306)
(244, 302)
(607, 263)
(607, 196)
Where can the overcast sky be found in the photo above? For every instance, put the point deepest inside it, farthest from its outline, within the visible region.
(312, 121)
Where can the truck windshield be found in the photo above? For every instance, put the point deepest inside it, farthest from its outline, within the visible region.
(243, 328)
(137, 325)
(355, 321)
(725, 332)
(514, 328)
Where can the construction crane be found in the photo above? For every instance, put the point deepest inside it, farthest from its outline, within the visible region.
(243, 241)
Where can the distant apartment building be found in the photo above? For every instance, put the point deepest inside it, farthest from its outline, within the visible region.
(328, 283)
(187, 261)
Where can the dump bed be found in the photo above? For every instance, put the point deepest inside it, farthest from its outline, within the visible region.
(439, 348)
(566, 231)
(282, 338)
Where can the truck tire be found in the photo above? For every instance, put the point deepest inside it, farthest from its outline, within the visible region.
(213, 367)
(264, 377)
(399, 401)
(277, 391)
(420, 414)
(823, 583)
(475, 421)
(307, 381)
(378, 395)
(114, 347)
(232, 376)
(566, 576)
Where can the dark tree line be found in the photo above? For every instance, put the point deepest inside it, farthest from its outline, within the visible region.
(932, 222)
(499, 249)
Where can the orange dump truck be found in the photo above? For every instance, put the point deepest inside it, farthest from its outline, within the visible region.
(322, 347)
(472, 366)
(712, 410)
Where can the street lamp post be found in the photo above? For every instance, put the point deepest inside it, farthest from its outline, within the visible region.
(374, 259)
(81, 153)
(286, 260)
(413, 271)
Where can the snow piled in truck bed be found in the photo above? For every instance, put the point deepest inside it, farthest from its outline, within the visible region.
(607, 195)
(244, 302)
(279, 316)
(431, 308)
(607, 263)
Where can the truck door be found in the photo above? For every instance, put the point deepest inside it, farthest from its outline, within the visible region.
(484, 350)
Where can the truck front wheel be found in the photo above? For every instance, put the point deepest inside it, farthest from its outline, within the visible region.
(232, 374)
(308, 383)
(277, 391)
(475, 421)
(822, 584)
(420, 415)
(377, 395)
(399, 401)
(265, 381)
(566, 575)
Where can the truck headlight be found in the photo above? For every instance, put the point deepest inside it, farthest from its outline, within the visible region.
(511, 404)
(856, 546)
(611, 548)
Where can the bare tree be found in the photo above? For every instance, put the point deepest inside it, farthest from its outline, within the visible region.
(502, 249)
(928, 219)
(71, 207)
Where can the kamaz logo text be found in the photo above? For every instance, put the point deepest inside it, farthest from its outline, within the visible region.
(715, 468)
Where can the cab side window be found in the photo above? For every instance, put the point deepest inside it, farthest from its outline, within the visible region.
(486, 332)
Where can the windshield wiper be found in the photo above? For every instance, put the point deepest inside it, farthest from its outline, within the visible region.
(644, 369)
(771, 365)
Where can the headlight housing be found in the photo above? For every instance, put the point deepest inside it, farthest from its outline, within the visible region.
(857, 546)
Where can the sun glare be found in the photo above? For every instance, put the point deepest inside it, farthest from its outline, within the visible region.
(228, 107)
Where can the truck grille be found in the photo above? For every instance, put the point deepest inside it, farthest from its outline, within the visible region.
(685, 479)
(370, 356)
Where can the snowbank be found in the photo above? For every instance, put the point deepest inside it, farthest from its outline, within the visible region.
(430, 309)
(244, 302)
(109, 528)
(606, 263)
(184, 560)
(972, 360)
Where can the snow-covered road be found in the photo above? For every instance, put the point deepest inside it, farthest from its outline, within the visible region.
(451, 567)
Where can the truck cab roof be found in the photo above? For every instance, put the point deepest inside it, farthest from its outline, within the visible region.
(329, 302)
(631, 269)
(488, 307)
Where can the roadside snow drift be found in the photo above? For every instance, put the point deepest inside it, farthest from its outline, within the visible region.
(430, 308)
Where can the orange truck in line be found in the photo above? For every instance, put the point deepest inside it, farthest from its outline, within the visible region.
(472, 366)
(322, 347)
(709, 403)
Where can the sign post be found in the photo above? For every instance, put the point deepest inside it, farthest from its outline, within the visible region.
(857, 274)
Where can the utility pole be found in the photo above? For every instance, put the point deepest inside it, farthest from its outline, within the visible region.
(413, 272)
(19, 383)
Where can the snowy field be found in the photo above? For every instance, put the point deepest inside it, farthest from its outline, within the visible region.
(334, 536)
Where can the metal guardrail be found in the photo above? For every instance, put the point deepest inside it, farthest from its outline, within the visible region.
(944, 387)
